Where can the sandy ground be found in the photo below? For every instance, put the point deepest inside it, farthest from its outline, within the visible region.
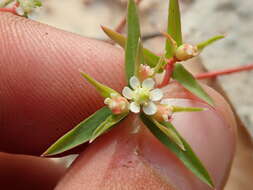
(201, 19)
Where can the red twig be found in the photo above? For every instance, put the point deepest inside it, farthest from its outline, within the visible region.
(168, 72)
(224, 72)
(122, 23)
(10, 10)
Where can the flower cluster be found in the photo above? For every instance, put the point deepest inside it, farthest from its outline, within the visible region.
(26, 7)
(20, 7)
(140, 96)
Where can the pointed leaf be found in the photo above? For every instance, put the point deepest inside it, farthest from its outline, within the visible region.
(150, 58)
(107, 125)
(186, 109)
(80, 134)
(133, 36)
(115, 36)
(174, 27)
(37, 3)
(208, 42)
(105, 91)
(188, 157)
(139, 58)
(170, 134)
(186, 79)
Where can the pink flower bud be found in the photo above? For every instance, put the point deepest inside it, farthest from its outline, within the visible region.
(117, 104)
(163, 113)
(186, 51)
(145, 72)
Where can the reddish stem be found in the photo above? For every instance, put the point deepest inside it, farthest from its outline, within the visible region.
(10, 10)
(121, 25)
(224, 72)
(168, 72)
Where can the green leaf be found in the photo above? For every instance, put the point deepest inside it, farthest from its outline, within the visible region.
(208, 42)
(186, 109)
(170, 134)
(174, 27)
(139, 58)
(133, 37)
(186, 79)
(37, 3)
(105, 91)
(150, 58)
(107, 125)
(115, 36)
(188, 157)
(80, 134)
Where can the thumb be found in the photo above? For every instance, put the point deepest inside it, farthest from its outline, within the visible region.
(122, 159)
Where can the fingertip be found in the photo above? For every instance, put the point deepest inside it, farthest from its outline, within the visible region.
(122, 157)
(41, 87)
(28, 172)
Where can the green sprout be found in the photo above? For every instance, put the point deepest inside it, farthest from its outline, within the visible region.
(141, 95)
(23, 8)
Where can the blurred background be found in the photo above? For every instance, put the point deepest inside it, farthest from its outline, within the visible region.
(201, 19)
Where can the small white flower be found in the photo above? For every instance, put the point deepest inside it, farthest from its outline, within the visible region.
(27, 7)
(142, 95)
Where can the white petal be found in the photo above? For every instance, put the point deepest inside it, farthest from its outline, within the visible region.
(107, 101)
(165, 117)
(127, 92)
(166, 101)
(156, 94)
(134, 107)
(148, 83)
(20, 11)
(134, 82)
(150, 109)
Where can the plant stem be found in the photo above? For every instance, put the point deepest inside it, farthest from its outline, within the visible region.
(168, 72)
(10, 10)
(224, 72)
(171, 62)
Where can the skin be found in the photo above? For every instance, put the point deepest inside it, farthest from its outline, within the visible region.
(43, 96)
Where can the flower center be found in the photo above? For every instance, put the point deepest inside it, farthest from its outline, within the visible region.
(141, 96)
